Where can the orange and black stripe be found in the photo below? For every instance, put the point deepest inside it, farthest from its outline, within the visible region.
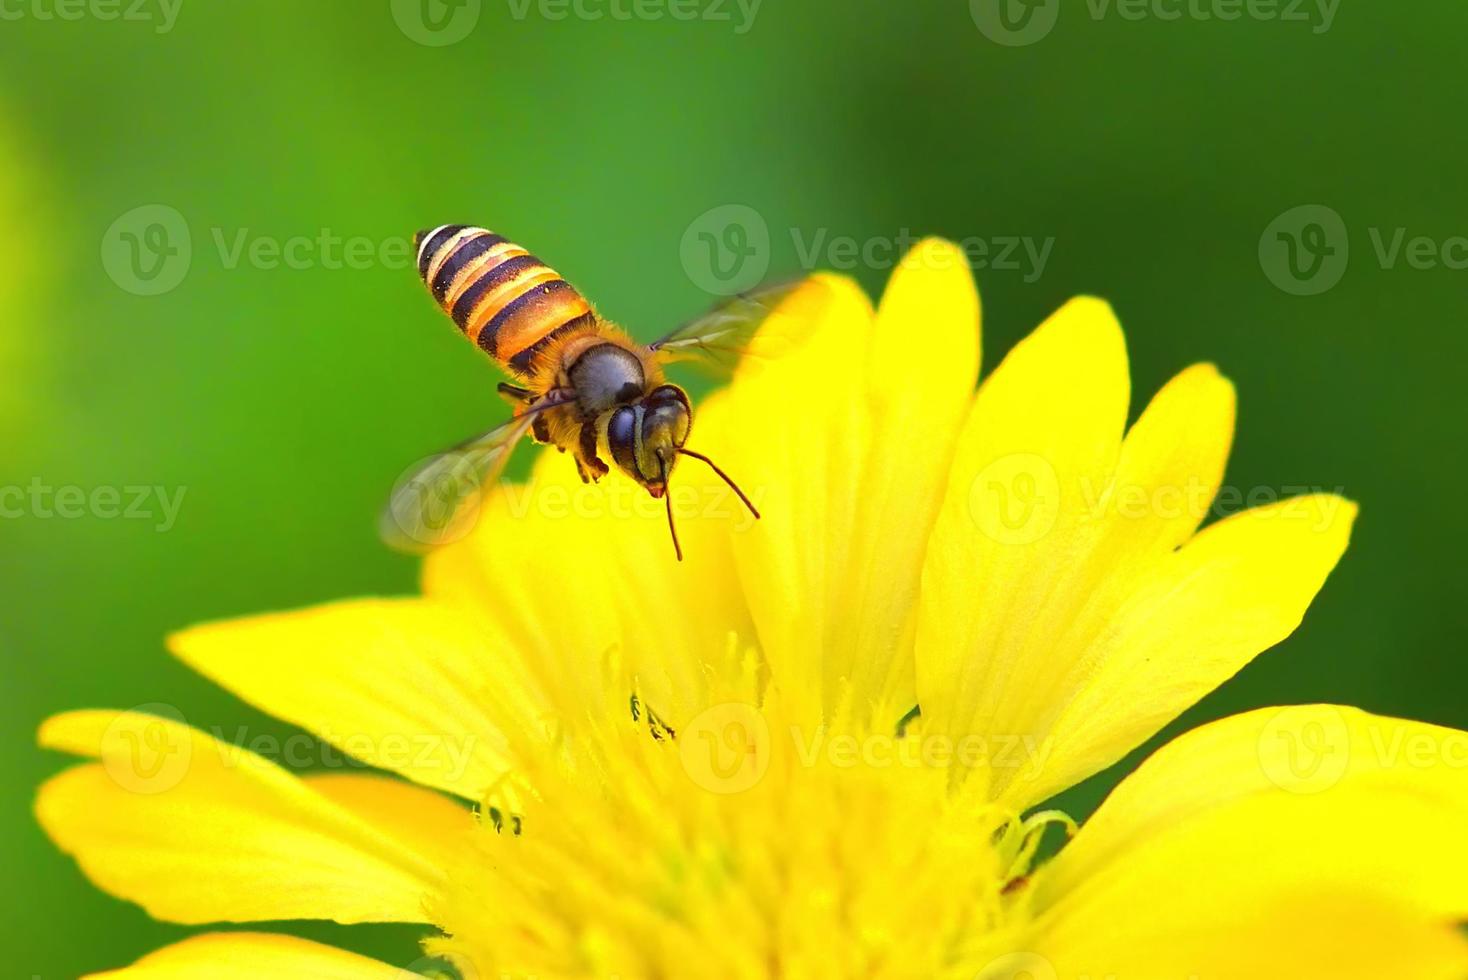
(503, 298)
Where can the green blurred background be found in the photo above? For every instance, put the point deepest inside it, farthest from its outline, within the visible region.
(283, 398)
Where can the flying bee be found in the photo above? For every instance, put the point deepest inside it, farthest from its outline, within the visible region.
(580, 382)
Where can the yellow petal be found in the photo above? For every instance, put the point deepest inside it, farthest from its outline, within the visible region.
(1308, 841)
(1053, 601)
(798, 436)
(1172, 463)
(1161, 643)
(921, 371)
(196, 830)
(1338, 764)
(402, 684)
(812, 410)
(570, 573)
(1195, 931)
(253, 956)
(439, 827)
(1003, 573)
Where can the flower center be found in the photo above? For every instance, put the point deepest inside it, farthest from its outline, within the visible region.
(741, 844)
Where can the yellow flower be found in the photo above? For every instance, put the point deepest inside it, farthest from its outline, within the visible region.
(815, 749)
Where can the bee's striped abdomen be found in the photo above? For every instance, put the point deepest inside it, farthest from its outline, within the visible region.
(504, 299)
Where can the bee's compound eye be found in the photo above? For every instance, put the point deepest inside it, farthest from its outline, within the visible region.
(667, 407)
(667, 395)
(622, 437)
(621, 426)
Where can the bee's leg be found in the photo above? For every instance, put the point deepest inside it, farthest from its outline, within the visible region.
(587, 459)
(514, 394)
(540, 430)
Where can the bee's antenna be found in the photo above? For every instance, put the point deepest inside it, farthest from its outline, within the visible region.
(723, 476)
(668, 499)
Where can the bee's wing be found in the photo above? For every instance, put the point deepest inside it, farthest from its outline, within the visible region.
(732, 329)
(437, 501)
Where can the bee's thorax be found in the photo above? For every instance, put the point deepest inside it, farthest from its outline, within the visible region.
(605, 376)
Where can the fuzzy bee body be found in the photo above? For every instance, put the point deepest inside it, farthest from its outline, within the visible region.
(581, 383)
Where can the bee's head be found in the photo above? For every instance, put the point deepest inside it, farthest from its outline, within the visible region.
(644, 437)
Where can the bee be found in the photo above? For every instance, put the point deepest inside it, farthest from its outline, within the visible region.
(578, 381)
